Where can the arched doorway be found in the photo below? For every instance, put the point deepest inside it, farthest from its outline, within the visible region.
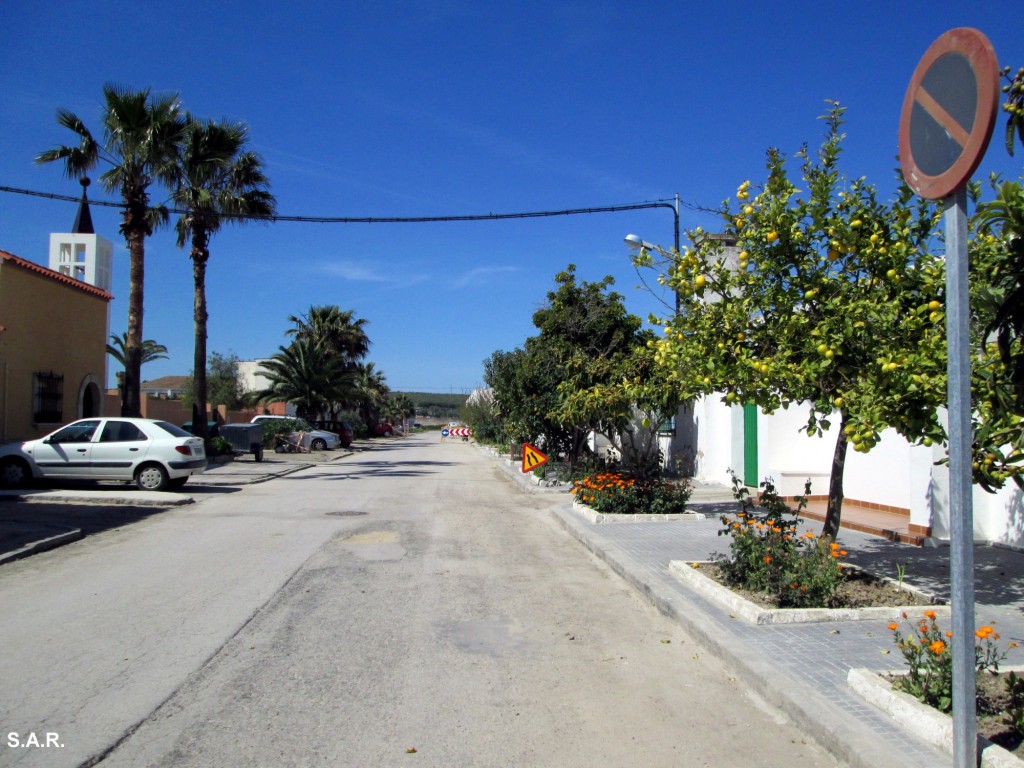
(88, 398)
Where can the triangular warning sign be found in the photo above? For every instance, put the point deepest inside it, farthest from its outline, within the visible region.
(532, 458)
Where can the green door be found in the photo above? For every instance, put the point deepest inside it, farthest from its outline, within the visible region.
(750, 445)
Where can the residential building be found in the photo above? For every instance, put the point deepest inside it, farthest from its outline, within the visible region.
(53, 332)
(54, 325)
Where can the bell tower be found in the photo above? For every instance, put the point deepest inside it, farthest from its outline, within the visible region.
(82, 254)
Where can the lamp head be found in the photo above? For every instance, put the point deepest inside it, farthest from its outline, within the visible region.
(634, 242)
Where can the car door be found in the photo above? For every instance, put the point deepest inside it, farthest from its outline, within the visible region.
(68, 451)
(119, 449)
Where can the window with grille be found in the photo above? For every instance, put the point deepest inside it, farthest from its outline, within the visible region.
(47, 398)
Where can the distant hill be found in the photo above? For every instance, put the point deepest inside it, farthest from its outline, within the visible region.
(436, 405)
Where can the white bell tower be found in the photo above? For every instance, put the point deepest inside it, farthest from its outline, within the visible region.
(82, 254)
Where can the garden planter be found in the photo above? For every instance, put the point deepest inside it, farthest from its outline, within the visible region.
(738, 605)
(602, 517)
(929, 724)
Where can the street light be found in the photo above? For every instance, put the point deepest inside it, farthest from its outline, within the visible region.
(636, 243)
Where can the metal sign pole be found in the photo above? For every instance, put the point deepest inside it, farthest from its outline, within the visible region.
(961, 556)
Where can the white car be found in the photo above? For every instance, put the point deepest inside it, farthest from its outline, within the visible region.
(319, 440)
(155, 455)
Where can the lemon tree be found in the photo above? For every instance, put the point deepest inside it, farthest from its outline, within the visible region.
(996, 251)
(834, 300)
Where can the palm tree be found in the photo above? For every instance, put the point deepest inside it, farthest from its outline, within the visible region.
(401, 407)
(214, 180)
(343, 334)
(373, 393)
(306, 375)
(150, 349)
(140, 134)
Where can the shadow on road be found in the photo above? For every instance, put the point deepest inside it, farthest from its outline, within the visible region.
(23, 522)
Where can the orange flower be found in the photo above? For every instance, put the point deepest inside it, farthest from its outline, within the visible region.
(809, 535)
(767, 558)
(983, 632)
(949, 634)
(843, 552)
(894, 626)
(930, 614)
(937, 647)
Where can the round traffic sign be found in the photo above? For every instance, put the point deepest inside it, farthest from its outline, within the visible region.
(949, 112)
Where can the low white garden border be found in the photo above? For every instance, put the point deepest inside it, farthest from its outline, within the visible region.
(604, 517)
(924, 721)
(685, 571)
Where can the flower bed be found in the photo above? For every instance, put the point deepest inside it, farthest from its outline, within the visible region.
(617, 493)
(604, 517)
(696, 576)
(929, 724)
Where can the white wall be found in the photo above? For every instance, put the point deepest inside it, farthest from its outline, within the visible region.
(894, 472)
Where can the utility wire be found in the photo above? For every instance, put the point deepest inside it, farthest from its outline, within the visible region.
(385, 219)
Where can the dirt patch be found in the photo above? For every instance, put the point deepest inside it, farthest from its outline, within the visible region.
(993, 701)
(858, 590)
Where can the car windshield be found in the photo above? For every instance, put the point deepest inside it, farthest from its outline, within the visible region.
(176, 431)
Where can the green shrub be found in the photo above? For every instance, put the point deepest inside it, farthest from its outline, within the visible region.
(767, 555)
(929, 659)
(221, 447)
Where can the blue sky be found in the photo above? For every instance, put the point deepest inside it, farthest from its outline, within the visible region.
(449, 108)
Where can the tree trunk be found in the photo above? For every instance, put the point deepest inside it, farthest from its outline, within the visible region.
(131, 405)
(199, 316)
(835, 486)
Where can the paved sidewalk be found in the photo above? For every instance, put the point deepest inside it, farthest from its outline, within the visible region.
(802, 668)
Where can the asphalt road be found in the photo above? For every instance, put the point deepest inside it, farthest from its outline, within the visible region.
(406, 605)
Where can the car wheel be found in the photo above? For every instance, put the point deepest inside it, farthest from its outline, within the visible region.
(177, 483)
(318, 445)
(14, 472)
(151, 477)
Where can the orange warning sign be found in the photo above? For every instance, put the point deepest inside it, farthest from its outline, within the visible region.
(532, 458)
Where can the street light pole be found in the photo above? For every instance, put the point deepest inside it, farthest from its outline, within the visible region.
(636, 243)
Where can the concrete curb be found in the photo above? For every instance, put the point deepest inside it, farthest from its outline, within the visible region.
(824, 720)
(601, 517)
(107, 498)
(42, 545)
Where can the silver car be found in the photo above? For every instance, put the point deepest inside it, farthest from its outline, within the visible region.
(319, 440)
(155, 455)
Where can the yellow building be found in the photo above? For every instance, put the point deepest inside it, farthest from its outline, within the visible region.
(53, 335)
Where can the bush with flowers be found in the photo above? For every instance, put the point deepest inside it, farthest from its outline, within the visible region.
(929, 658)
(615, 492)
(768, 556)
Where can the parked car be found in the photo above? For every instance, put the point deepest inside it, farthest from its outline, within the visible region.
(342, 429)
(319, 440)
(384, 429)
(155, 455)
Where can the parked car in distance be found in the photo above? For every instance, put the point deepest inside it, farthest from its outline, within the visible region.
(155, 455)
(319, 440)
(342, 429)
(384, 429)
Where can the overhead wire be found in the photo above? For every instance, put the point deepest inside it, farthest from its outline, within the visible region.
(664, 203)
